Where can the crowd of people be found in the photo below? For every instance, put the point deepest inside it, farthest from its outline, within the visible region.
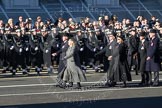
(114, 46)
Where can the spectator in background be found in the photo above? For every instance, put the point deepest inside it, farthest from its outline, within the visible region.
(106, 20)
(19, 21)
(10, 24)
(28, 24)
(152, 21)
(38, 24)
(2, 26)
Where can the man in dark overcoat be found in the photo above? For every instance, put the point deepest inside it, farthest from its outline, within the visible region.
(153, 58)
(133, 43)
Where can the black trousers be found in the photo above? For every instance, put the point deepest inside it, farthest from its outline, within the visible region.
(144, 77)
(106, 64)
(36, 58)
(18, 59)
(156, 77)
(8, 57)
(1, 58)
(27, 58)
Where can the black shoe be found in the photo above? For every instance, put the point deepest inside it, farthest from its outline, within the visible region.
(136, 72)
(28, 70)
(63, 85)
(142, 84)
(148, 84)
(38, 73)
(50, 73)
(107, 84)
(155, 84)
(124, 84)
(4, 71)
(78, 86)
(25, 73)
(57, 85)
(112, 84)
(13, 73)
(70, 84)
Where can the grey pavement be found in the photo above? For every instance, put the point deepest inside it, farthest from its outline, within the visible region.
(40, 91)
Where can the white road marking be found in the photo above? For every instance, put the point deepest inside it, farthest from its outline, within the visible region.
(50, 84)
(79, 91)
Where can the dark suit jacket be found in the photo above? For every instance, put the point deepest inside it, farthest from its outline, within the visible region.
(143, 55)
(108, 50)
(62, 52)
(133, 43)
(153, 52)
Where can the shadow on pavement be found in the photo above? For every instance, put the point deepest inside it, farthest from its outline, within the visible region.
(150, 102)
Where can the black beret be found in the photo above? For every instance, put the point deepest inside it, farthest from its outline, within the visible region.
(65, 34)
(111, 33)
(142, 34)
(133, 29)
(121, 37)
(152, 31)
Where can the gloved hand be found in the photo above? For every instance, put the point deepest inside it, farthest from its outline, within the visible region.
(94, 49)
(36, 48)
(57, 45)
(26, 49)
(101, 48)
(12, 47)
(81, 49)
(46, 51)
(20, 50)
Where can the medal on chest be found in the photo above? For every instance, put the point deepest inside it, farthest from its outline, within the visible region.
(110, 47)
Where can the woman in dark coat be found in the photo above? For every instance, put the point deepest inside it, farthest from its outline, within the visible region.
(119, 69)
(143, 46)
(72, 73)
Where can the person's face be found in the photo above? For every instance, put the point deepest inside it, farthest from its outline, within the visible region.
(79, 33)
(20, 19)
(70, 43)
(39, 19)
(18, 34)
(34, 32)
(23, 31)
(119, 40)
(64, 38)
(97, 33)
(54, 30)
(133, 33)
(111, 37)
(141, 37)
(152, 35)
(118, 26)
(127, 21)
(153, 18)
(70, 19)
(106, 17)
